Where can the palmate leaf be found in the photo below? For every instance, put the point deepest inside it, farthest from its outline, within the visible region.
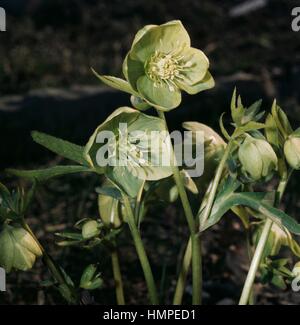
(61, 147)
(227, 199)
(42, 175)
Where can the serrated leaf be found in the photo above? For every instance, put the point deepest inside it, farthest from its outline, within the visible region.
(251, 126)
(227, 199)
(61, 147)
(237, 109)
(42, 175)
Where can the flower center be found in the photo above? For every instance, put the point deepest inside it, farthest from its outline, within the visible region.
(165, 68)
(129, 150)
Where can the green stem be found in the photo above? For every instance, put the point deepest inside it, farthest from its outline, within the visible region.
(117, 277)
(141, 252)
(53, 268)
(215, 183)
(195, 236)
(212, 190)
(246, 293)
(186, 263)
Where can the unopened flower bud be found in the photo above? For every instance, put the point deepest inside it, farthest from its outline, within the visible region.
(258, 158)
(18, 249)
(90, 229)
(292, 151)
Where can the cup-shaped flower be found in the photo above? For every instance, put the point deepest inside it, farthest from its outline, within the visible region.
(129, 148)
(18, 249)
(161, 63)
(257, 158)
(292, 151)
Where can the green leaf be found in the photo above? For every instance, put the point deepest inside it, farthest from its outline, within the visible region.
(69, 235)
(237, 109)
(222, 127)
(109, 190)
(281, 120)
(42, 175)
(227, 199)
(272, 132)
(116, 83)
(61, 147)
(251, 126)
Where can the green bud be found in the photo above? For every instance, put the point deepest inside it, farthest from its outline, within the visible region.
(258, 158)
(292, 151)
(18, 249)
(90, 229)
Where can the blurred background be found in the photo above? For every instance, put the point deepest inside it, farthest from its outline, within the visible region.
(46, 84)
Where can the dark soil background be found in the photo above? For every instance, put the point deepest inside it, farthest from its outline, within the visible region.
(46, 84)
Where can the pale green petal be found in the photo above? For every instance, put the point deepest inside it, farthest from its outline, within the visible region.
(164, 38)
(7, 250)
(207, 83)
(195, 66)
(123, 178)
(133, 70)
(160, 97)
(142, 32)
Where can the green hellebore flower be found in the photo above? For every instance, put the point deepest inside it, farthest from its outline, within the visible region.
(292, 151)
(161, 63)
(258, 158)
(18, 249)
(136, 147)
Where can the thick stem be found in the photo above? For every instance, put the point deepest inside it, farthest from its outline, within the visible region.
(255, 263)
(117, 277)
(195, 237)
(141, 252)
(53, 268)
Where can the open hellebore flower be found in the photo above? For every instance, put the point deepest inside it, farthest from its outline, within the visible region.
(292, 151)
(18, 249)
(258, 158)
(161, 63)
(129, 148)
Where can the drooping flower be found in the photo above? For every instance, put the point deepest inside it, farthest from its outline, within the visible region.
(161, 63)
(18, 249)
